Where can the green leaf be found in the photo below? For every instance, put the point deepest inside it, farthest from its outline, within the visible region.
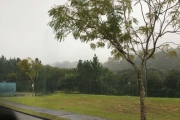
(117, 54)
(165, 47)
(93, 46)
(172, 53)
(178, 47)
(150, 15)
(153, 57)
(100, 44)
(135, 21)
(131, 57)
(143, 30)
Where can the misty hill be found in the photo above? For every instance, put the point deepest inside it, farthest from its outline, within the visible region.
(65, 64)
(161, 61)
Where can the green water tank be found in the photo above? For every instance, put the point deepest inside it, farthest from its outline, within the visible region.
(7, 89)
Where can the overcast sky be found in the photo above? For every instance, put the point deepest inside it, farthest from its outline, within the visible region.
(24, 33)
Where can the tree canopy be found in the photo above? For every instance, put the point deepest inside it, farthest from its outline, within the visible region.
(111, 22)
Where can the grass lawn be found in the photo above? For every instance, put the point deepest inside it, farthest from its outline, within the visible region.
(112, 107)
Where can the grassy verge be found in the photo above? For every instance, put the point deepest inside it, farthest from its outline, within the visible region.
(112, 107)
(43, 115)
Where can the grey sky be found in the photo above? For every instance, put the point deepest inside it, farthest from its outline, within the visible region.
(24, 33)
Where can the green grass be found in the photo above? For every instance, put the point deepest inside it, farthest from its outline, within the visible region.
(112, 107)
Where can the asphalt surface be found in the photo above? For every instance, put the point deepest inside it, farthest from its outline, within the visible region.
(58, 113)
(8, 114)
(21, 116)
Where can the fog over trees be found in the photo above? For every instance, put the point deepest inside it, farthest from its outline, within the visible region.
(160, 61)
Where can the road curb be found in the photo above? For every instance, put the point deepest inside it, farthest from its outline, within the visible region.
(23, 112)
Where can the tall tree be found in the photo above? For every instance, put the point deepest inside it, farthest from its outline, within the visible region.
(85, 72)
(89, 73)
(30, 67)
(12, 77)
(154, 82)
(96, 65)
(111, 22)
(96, 73)
(171, 84)
(2, 67)
(37, 66)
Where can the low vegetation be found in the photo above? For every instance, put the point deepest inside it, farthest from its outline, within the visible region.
(112, 107)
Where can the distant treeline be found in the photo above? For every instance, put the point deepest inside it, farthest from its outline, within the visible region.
(160, 61)
(91, 77)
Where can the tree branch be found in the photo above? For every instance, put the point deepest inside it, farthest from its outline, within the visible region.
(131, 42)
(154, 47)
(163, 22)
(176, 32)
(143, 14)
(167, 43)
(170, 7)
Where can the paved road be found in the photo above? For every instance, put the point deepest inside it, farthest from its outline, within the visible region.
(58, 113)
(7, 114)
(21, 116)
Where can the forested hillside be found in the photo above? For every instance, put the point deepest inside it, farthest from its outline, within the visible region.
(160, 61)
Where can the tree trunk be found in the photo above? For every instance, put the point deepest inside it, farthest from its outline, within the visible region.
(142, 96)
(90, 87)
(32, 88)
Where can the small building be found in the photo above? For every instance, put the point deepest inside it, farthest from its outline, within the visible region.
(7, 89)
